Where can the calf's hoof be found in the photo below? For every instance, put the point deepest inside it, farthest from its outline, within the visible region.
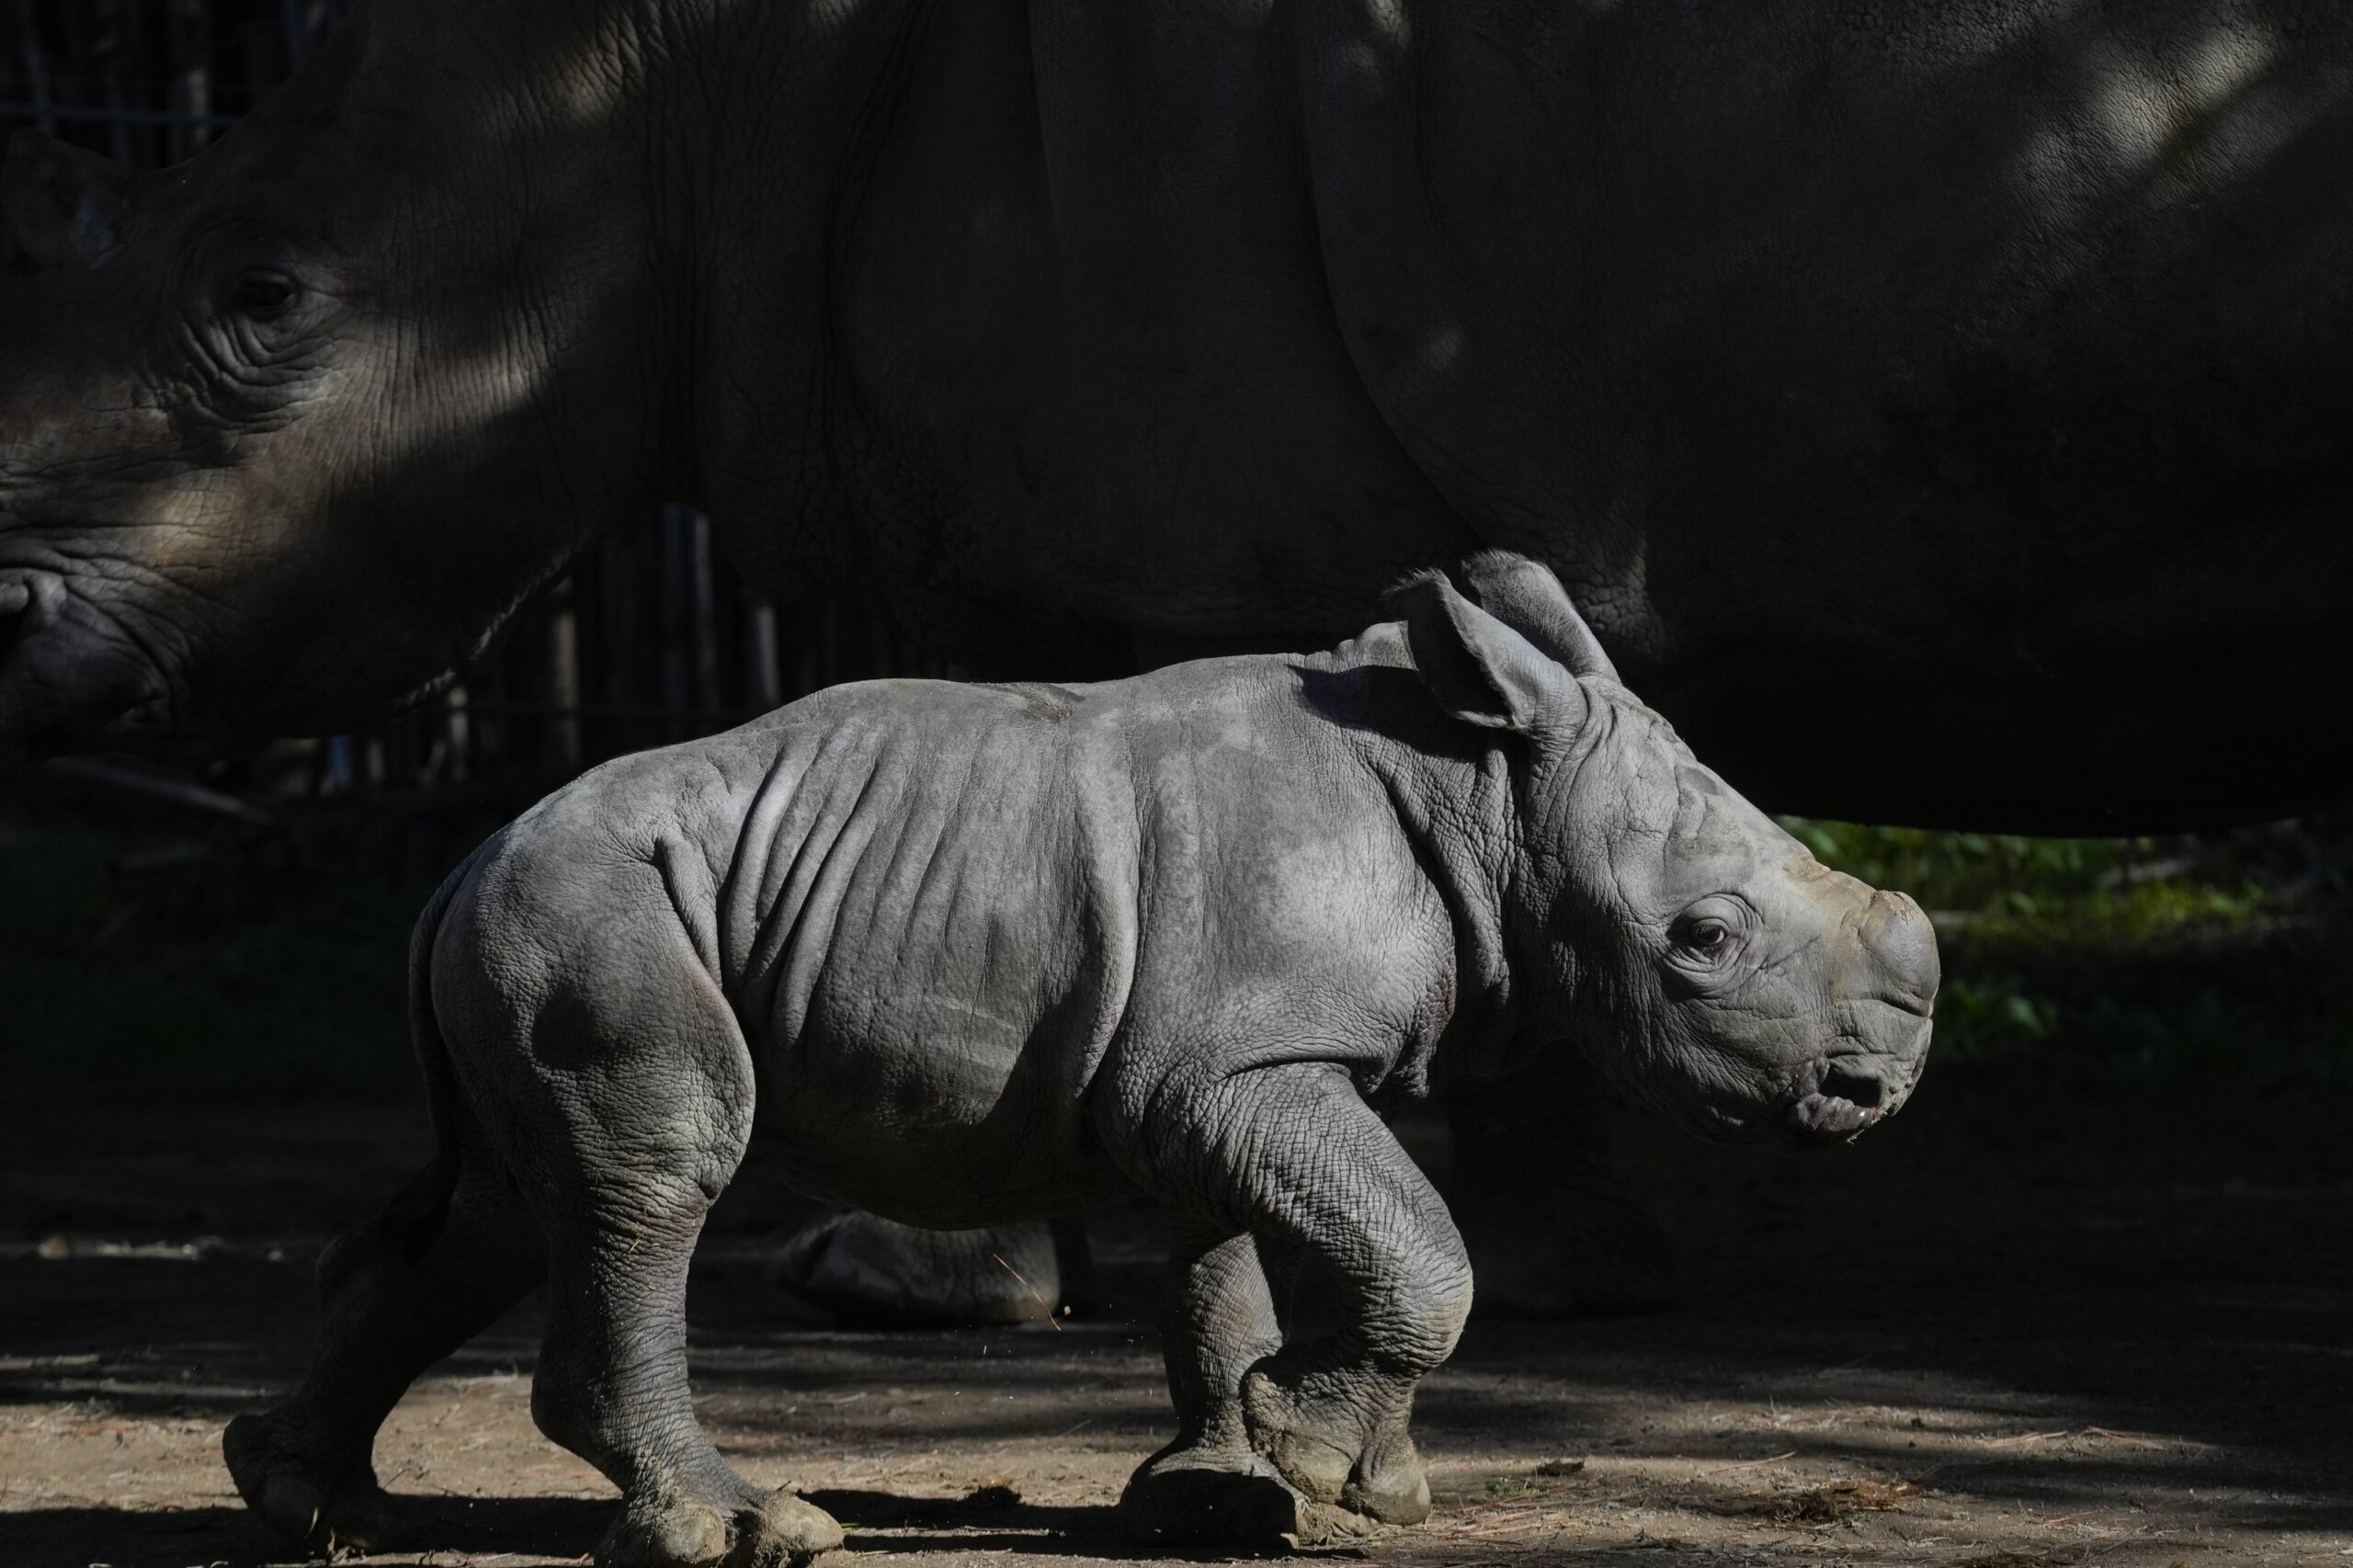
(771, 1530)
(1389, 1481)
(871, 1271)
(1319, 1448)
(331, 1509)
(1192, 1499)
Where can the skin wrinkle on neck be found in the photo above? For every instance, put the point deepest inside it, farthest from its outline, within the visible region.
(1476, 893)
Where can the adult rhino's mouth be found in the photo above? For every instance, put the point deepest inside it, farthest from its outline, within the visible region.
(70, 678)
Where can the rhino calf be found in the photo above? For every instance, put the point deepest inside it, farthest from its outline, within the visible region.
(966, 954)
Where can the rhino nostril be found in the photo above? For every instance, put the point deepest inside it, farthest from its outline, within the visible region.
(1865, 1089)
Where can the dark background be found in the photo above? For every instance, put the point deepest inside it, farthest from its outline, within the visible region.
(2127, 1176)
(239, 931)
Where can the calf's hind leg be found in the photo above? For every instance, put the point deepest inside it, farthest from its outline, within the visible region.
(445, 1257)
(605, 1056)
(1217, 1320)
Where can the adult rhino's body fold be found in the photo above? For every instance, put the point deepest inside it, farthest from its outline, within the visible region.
(1993, 351)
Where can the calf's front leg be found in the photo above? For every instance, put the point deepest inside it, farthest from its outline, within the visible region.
(1291, 1155)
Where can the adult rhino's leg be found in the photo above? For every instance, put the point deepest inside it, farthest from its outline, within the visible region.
(1554, 1229)
(1293, 1156)
(451, 1253)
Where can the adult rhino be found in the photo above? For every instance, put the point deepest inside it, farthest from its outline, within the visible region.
(1970, 379)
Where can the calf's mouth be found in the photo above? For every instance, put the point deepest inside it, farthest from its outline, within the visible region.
(1832, 1116)
(1847, 1095)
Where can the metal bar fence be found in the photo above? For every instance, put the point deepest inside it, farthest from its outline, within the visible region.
(651, 639)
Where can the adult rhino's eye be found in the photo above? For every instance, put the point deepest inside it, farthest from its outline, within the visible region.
(264, 293)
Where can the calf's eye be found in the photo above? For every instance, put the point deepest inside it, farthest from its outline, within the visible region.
(1703, 935)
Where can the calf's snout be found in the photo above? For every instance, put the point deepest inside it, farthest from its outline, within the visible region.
(1865, 1086)
(1903, 947)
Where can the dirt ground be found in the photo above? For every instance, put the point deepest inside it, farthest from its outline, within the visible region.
(1873, 1364)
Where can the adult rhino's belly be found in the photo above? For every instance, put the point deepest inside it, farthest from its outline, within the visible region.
(945, 1127)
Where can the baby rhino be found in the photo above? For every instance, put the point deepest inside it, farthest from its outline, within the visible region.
(968, 954)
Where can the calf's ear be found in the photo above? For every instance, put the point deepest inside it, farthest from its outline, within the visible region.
(65, 206)
(1480, 670)
(1526, 596)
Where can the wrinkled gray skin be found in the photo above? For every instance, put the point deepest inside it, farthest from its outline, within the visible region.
(1968, 382)
(964, 954)
(1993, 355)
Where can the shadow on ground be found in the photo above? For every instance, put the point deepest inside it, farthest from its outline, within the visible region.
(508, 1528)
(1906, 1360)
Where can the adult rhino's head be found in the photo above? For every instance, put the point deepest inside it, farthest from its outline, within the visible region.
(286, 430)
(1699, 954)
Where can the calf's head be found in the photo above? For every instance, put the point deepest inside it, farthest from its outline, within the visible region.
(1699, 954)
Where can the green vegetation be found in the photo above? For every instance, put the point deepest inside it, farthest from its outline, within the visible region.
(2179, 1009)
(2101, 891)
(2173, 957)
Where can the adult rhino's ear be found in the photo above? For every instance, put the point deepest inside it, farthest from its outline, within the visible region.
(66, 207)
(1480, 670)
(1526, 596)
